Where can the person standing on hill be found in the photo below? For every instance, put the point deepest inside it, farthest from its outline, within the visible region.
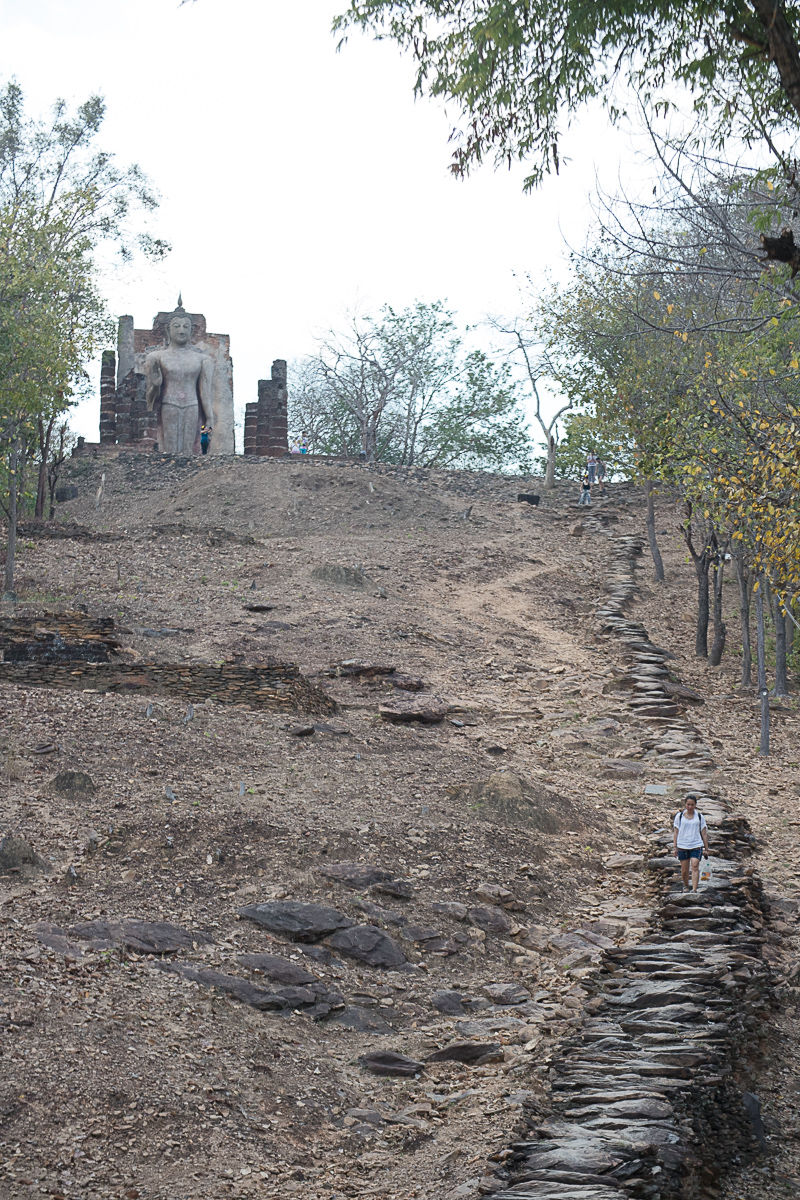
(689, 841)
(586, 491)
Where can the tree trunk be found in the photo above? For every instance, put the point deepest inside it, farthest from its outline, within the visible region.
(41, 491)
(763, 692)
(702, 561)
(45, 436)
(369, 441)
(781, 685)
(701, 565)
(52, 482)
(550, 470)
(744, 581)
(783, 49)
(720, 630)
(11, 543)
(651, 534)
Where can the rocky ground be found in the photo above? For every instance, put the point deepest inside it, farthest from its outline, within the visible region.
(176, 1022)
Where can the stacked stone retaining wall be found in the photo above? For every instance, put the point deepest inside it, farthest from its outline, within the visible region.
(646, 1097)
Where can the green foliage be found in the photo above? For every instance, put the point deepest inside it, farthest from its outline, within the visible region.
(50, 310)
(584, 432)
(517, 71)
(60, 199)
(401, 387)
(700, 368)
(54, 169)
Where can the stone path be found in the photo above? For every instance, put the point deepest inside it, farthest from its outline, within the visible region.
(677, 743)
(645, 1100)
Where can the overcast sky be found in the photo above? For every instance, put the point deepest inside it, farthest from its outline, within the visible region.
(298, 183)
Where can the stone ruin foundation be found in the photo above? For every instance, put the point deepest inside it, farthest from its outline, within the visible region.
(75, 651)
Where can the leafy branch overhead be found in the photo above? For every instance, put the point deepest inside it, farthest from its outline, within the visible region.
(518, 72)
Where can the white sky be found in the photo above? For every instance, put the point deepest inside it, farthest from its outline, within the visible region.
(297, 183)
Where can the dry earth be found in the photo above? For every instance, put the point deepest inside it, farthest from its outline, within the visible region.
(123, 1079)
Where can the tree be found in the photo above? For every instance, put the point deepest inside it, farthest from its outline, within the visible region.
(583, 433)
(517, 71)
(60, 200)
(315, 411)
(402, 387)
(55, 444)
(50, 315)
(537, 368)
(700, 355)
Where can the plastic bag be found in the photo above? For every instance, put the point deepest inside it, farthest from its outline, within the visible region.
(705, 871)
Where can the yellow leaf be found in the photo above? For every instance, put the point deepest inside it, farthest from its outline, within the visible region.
(656, 295)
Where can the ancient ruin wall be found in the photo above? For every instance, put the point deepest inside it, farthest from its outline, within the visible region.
(73, 650)
(124, 419)
(266, 422)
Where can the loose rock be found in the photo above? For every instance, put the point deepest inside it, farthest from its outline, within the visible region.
(368, 944)
(471, 1053)
(293, 919)
(386, 1062)
(18, 857)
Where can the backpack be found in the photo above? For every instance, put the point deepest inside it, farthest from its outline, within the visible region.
(697, 813)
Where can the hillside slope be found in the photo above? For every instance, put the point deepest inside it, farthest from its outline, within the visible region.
(475, 847)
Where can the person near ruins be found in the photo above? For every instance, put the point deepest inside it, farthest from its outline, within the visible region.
(591, 466)
(601, 475)
(586, 490)
(295, 446)
(304, 444)
(690, 841)
(205, 438)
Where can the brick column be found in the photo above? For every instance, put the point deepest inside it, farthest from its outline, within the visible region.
(266, 423)
(108, 398)
(251, 428)
(273, 399)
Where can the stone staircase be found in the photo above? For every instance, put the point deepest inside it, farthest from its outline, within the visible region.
(646, 1100)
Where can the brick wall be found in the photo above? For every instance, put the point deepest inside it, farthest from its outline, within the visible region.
(266, 422)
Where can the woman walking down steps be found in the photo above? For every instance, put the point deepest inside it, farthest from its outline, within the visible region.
(689, 841)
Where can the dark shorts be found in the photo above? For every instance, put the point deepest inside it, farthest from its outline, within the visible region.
(695, 853)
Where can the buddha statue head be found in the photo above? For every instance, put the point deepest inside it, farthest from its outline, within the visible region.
(179, 326)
